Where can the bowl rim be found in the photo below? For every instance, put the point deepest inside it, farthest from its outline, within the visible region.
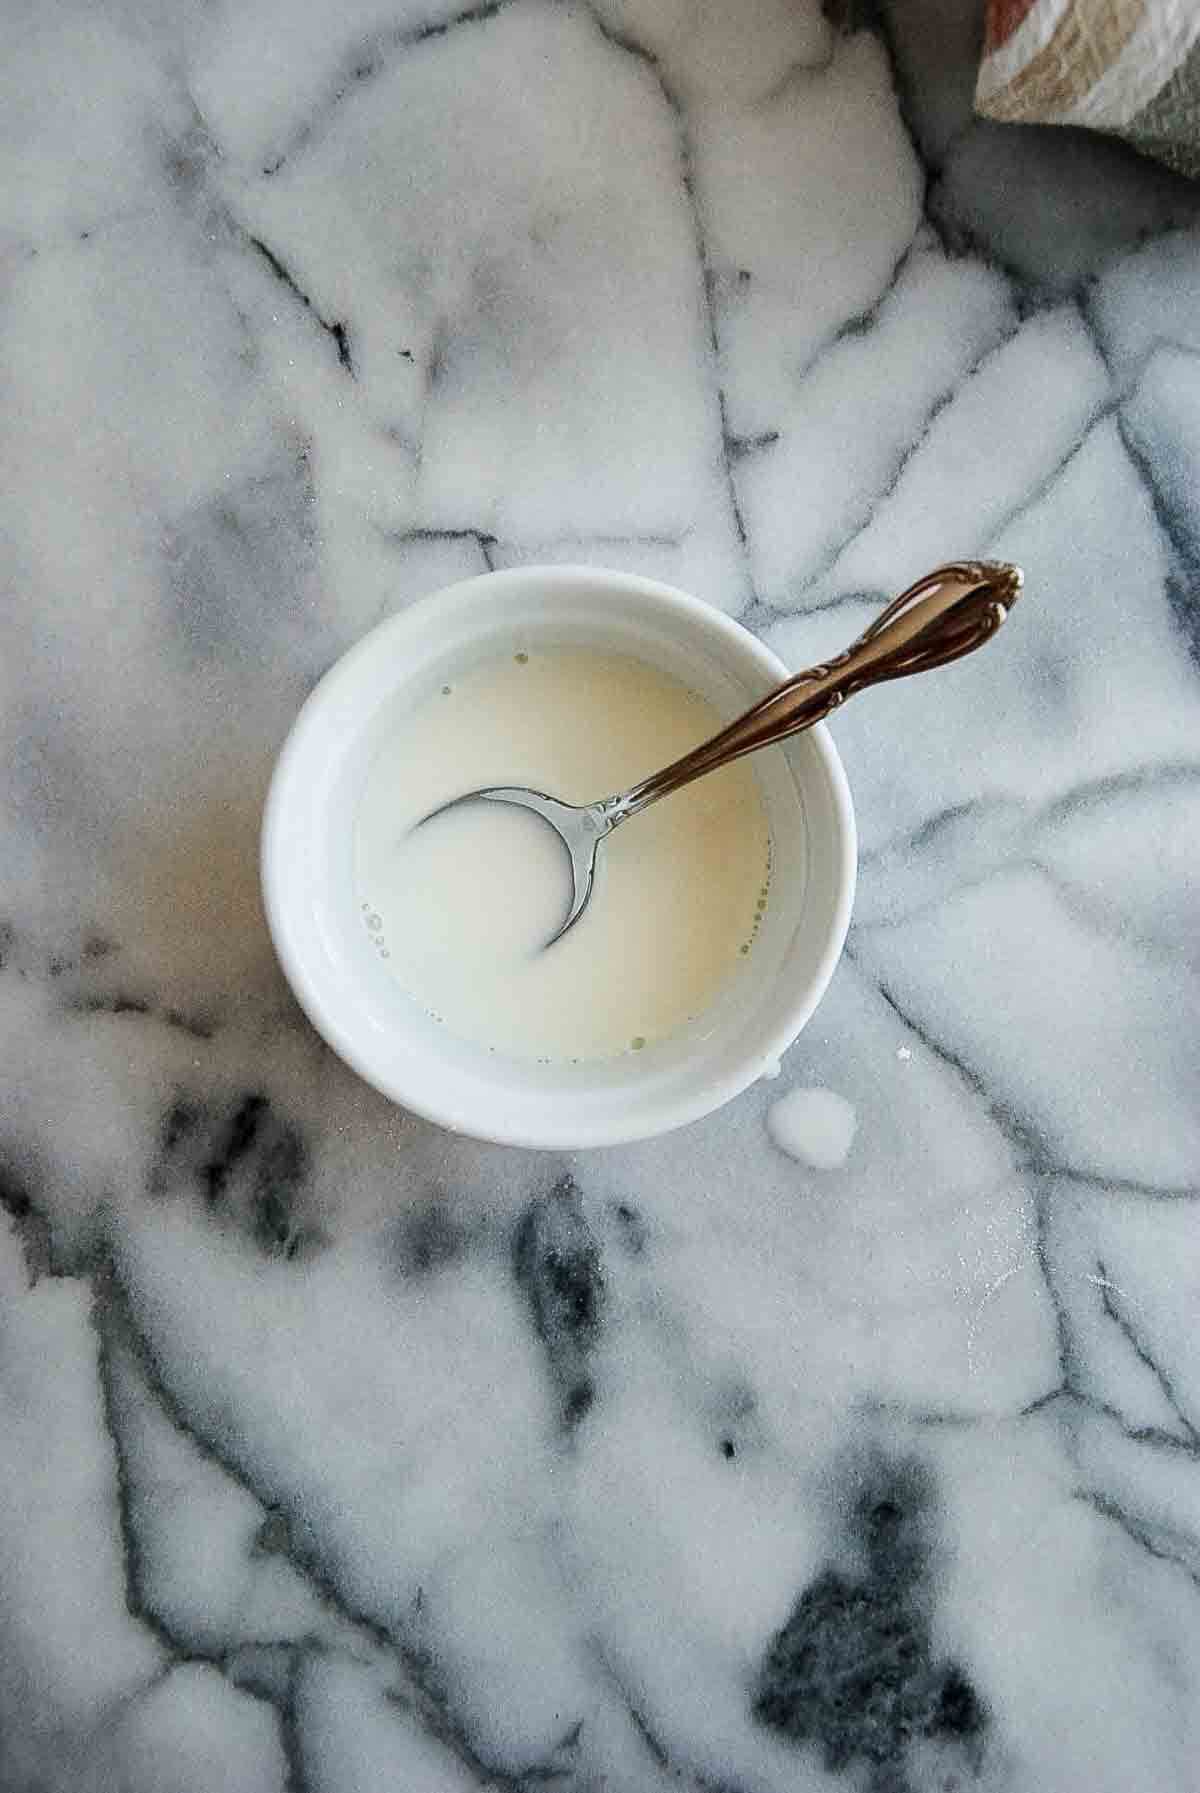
(709, 1093)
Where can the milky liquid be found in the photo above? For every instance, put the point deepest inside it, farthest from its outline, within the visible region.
(459, 911)
(813, 1126)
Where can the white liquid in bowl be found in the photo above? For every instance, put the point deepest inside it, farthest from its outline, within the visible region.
(459, 910)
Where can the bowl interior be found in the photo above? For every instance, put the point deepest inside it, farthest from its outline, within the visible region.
(312, 900)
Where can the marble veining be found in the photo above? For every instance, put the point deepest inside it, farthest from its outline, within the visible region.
(340, 1453)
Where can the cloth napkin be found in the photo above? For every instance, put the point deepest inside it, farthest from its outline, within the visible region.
(1130, 67)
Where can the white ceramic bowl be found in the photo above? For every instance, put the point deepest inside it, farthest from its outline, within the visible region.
(313, 912)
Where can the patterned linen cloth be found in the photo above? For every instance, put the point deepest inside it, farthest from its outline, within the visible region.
(1131, 67)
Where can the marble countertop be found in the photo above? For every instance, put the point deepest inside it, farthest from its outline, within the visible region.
(850, 1439)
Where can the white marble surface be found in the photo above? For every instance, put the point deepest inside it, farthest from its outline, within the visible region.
(849, 1443)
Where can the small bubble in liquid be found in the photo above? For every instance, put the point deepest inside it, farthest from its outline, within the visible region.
(374, 922)
(761, 904)
(745, 949)
(446, 690)
(384, 953)
(638, 1041)
(521, 659)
